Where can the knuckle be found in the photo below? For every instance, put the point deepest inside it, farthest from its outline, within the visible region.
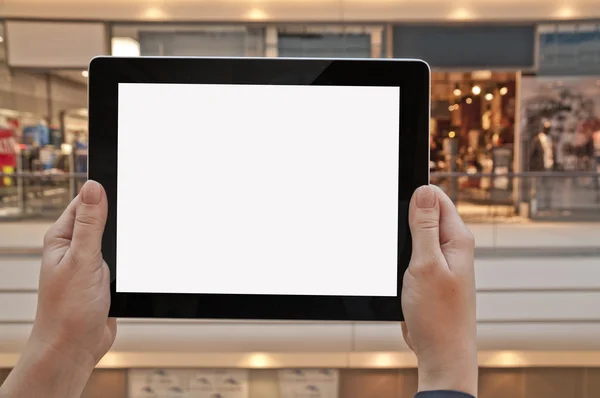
(466, 239)
(48, 237)
(425, 263)
(53, 240)
(87, 220)
(427, 223)
(82, 256)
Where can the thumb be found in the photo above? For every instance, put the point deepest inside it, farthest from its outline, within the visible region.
(424, 221)
(90, 219)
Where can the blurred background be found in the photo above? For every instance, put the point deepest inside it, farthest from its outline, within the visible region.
(515, 141)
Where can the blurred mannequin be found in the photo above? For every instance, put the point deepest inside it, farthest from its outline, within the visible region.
(541, 159)
(596, 145)
(541, 155)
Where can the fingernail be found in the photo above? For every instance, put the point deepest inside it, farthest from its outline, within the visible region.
(91, 193)
(425, 197)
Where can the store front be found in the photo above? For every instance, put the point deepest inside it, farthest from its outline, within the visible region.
(474, 90)
(43, 115)
(483, 83)
(560, 124)
(473, 132)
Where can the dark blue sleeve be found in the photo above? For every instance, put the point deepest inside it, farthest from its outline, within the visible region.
(442, 394)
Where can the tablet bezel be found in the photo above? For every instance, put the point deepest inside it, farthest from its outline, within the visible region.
(413, 78)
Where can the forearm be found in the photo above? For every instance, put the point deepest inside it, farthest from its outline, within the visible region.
(44, 372)
(457, 371)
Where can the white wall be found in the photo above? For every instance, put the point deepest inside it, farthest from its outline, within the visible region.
(524, 304)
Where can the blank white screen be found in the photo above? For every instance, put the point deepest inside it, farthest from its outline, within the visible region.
(242, 189)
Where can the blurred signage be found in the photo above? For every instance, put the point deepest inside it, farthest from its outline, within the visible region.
(54, 44)
(467, 46)
(308, 383)
(569, 49)
(187, 383)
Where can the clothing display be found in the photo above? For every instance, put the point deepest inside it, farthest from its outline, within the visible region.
(596, 142)
(8, 155)
(39, 134)
(486, 120)
(541, 157)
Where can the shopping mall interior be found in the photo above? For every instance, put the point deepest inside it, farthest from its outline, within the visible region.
(514, 141)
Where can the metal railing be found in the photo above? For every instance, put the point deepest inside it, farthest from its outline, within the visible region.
(571, 196)
(553, 195)
(27, 195)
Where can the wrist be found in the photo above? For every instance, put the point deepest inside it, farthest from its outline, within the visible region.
(42, 370)
(457, 371)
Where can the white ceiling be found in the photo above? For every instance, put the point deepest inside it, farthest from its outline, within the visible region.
(302, 10)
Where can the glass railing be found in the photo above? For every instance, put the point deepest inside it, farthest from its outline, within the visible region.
(480, 198)
(514, 197)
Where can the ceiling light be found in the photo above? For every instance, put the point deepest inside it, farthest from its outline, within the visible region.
(489, 96)
(451, 108)
(476, 90)
(154, 13)
(565, 12)
(457, 91)
(84, 73)
(503, 90)
(259, 360)
(461, 14)
(256, 14)
(469, 100)
(452, 134)
(384, 360)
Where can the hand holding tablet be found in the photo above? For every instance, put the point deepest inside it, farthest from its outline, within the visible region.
(272, 188)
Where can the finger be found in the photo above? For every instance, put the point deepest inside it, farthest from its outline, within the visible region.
(424, 222)
(61, 231)
(406, 335)
(112, 327)
(455, 237)
(90, 219)
(451, 224)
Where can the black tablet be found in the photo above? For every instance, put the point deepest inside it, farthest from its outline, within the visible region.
(258, 188)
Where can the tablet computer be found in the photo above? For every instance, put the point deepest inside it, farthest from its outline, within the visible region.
(258, 188)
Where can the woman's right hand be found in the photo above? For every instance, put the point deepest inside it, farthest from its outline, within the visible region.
(438, 295)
